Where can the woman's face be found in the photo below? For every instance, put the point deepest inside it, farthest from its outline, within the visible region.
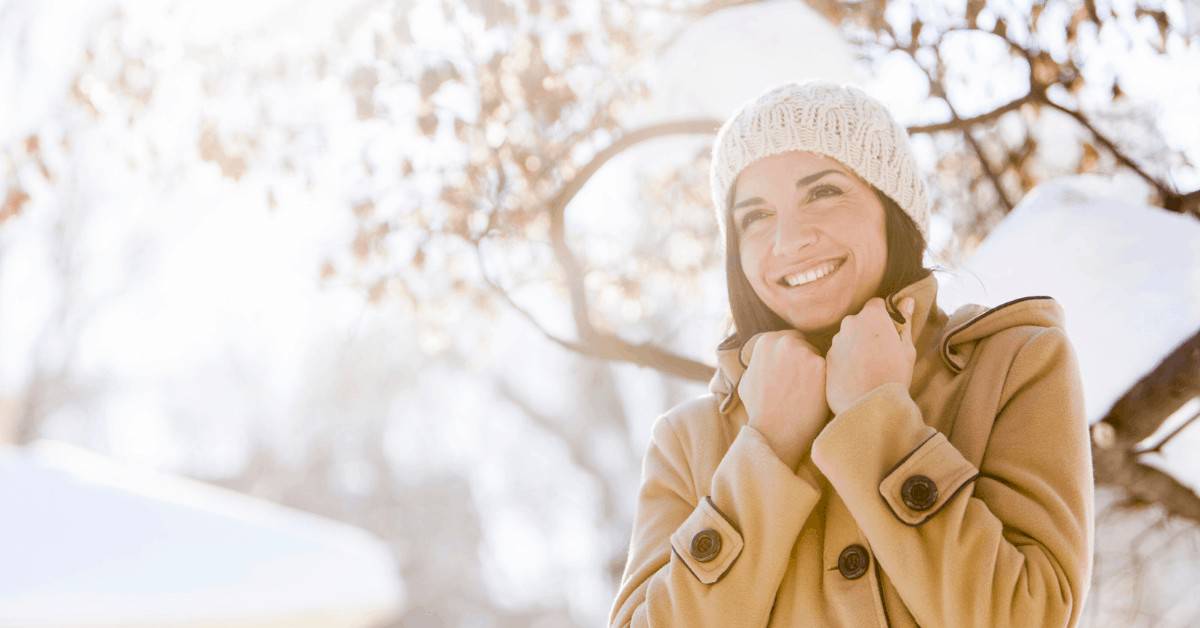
(794, 212)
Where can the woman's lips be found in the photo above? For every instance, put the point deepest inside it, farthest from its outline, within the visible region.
(814, 282)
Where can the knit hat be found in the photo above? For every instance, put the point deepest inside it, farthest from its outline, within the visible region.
(839, 121)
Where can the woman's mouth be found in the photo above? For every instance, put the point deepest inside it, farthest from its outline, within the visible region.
(818, 275)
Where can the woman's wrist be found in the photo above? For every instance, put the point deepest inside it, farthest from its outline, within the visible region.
(791, 455)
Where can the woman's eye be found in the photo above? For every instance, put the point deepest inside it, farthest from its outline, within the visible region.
(834, 191)
(751, 216)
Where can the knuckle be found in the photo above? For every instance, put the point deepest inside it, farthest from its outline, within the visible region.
(768, 338)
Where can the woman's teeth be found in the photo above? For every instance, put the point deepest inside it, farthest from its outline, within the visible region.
(800, 279)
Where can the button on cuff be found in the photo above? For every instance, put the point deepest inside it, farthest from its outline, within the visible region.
(919, 492)
(706, 545)
(707, 542)
(926, 479)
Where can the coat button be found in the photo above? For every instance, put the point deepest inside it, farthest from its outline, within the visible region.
(853, 561)
(706, 545)
(919, 492)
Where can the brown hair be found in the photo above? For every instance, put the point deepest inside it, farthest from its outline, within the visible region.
(905, 248)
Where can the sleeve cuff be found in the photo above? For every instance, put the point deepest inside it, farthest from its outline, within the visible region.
(753, 493)
(881, 447)
(707, 542)
(926, 479)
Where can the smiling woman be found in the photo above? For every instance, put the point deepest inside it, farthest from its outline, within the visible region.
(831, 215)
(862, 458)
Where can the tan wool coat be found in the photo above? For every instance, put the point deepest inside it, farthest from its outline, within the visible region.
(966, 500)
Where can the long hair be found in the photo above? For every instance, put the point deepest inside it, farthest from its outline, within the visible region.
(904, 265)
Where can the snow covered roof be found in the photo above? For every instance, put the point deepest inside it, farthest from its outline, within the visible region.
(1126, 273)
(86, 541)
(731, 55)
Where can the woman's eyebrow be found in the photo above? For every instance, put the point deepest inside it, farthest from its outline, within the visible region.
(813, 177)
(754, 200)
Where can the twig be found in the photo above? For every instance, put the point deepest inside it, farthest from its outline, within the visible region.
(939, 91)
(603, 346)
(1157, 448)
(959, 123)
(1163, 189)
(562, 252)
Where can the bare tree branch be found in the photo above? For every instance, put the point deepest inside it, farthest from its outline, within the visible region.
(606, 346)
(1136, 416)
(1172, 199)
(937, 89)
(562, 251)
(1187, 204)
(1157, 447)
(1146, 483)
(1164, 190)
(959, 123)
(1141, 411)
(593, 342)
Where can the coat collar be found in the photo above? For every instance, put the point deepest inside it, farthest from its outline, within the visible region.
(950, 338)
(971, 322)
(732, 361)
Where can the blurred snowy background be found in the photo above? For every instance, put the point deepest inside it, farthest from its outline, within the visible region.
(358, 313)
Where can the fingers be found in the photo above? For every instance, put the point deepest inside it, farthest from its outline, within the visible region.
(748, 348)
(771, 337)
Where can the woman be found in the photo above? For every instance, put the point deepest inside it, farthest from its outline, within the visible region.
(863, 458)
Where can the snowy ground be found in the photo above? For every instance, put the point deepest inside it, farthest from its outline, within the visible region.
(90, 542)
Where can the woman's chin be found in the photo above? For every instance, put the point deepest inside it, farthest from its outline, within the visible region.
(816, 328)
(823, 319)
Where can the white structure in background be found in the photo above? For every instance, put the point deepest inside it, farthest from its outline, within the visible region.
(85, 541)
(1127, 275)
(734, 54)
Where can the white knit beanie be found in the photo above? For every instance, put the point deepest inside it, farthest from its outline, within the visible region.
(839, 121)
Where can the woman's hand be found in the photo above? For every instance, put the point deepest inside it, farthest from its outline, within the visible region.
(783, 390)
(867, 352)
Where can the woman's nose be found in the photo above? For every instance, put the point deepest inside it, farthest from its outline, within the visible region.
(791, 235)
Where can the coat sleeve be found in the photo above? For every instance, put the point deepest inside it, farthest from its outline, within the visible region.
(1008, 544)
(711, 555)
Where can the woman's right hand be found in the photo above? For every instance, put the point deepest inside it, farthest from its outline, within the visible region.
(783, 390)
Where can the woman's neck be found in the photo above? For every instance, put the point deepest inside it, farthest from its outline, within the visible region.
(820, 340)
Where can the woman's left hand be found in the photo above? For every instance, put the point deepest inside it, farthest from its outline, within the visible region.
(867, 353)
